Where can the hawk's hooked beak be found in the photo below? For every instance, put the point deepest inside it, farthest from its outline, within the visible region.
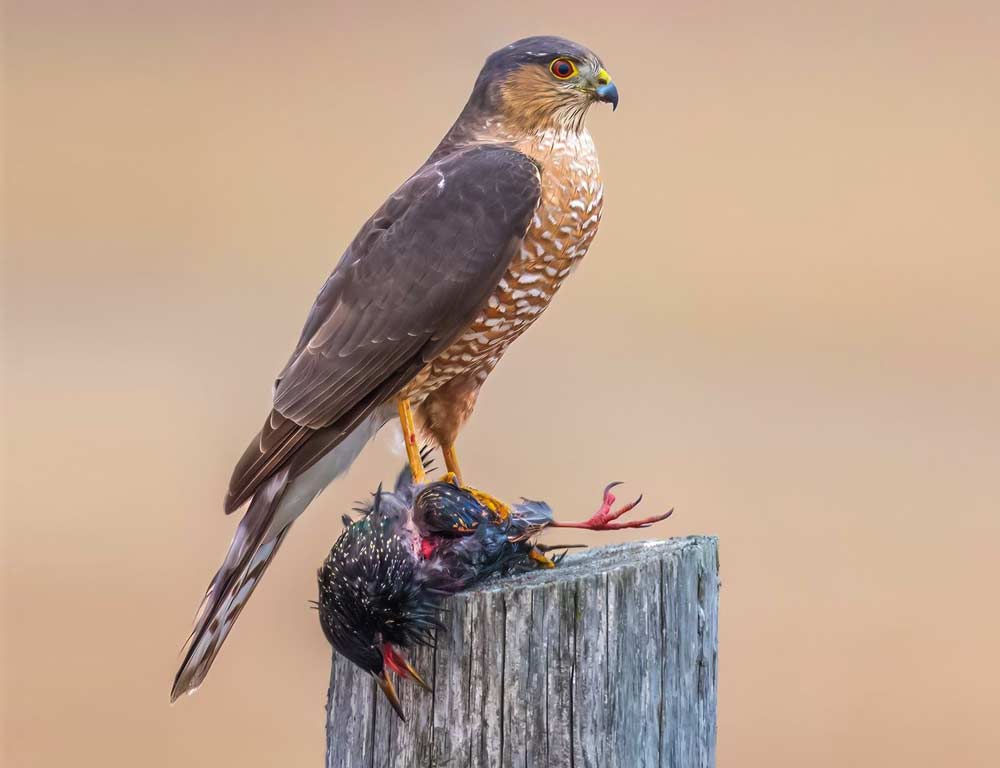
(606, 90)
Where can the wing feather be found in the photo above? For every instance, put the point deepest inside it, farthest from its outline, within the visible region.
(409, 284)
(445, 238)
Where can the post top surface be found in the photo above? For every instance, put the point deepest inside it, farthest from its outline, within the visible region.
(598, 560)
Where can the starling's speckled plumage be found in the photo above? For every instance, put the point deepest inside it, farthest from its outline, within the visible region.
(381, 585)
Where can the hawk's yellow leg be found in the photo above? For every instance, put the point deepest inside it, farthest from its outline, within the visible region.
(540, 557)
(497, 507)
(451, 461)
(410, 439)
(492, 503)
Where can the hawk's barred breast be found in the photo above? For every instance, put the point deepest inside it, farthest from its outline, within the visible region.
(560, 233)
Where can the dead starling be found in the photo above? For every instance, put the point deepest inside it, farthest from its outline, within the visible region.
(382, 584)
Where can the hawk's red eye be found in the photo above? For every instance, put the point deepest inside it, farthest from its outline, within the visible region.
(563, 68)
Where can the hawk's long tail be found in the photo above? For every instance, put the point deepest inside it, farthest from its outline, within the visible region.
(273, 509)
(249, 555)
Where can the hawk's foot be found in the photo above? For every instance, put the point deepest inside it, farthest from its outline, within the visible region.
(492, 503)
(604, 518)
(543, 560)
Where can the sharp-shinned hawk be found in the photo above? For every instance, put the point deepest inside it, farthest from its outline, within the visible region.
(450, 270)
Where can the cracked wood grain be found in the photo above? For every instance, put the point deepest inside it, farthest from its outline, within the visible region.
(608, 661)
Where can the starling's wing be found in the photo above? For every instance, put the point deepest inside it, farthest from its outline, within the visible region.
(407, 287)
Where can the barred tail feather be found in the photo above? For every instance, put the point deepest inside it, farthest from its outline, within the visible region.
(253, 547)
(274, 507)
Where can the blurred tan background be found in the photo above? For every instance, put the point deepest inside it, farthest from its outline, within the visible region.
(788, 329)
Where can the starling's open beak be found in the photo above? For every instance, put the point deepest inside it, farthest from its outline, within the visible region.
(385, 683)
(412, 674)
(606, 90)
(395, 661)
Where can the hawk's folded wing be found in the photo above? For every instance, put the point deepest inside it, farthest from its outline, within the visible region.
(407, 287)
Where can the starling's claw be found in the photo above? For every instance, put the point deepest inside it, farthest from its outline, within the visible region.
(603, 519)
(385, 683)
(614, 515)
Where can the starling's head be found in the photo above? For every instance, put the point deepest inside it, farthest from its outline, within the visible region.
(541, 82)
(373, 596)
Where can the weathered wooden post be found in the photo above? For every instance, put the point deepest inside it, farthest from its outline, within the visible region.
(608, 661)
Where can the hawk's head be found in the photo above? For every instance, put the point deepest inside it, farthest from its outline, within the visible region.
(543, 82)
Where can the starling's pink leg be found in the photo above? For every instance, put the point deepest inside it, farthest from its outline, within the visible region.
(603, 519)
